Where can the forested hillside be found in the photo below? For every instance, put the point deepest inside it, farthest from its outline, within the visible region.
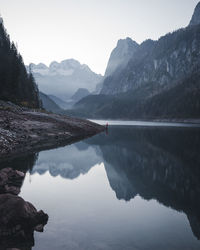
(16, 85)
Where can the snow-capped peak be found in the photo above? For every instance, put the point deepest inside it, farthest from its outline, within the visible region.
(64, 68)
(40, 68)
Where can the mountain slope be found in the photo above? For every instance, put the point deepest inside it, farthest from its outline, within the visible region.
(79, 94)
(163, 62)
(62, 104)
(182, 101)
(161, 80)
(49, 104)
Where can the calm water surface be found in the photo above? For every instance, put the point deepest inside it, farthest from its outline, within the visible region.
(135, 188)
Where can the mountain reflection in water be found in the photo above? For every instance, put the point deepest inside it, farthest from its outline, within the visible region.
(162, 164)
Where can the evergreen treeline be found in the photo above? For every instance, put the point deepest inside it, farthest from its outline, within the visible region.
(16, 85)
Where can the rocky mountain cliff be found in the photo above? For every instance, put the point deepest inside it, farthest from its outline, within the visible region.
(120, 56)
(16, 85)
(161, 80)
(196, 16)
(65, 78)
(158, 63)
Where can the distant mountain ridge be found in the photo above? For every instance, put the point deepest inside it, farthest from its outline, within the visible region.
(65, 78)
(66, 67)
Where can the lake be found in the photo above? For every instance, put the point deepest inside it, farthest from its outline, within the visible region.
(133, 188)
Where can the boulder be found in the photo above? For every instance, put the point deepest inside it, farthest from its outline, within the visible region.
(11, 181)
(18, 218)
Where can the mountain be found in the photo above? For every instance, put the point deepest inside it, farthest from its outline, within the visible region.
(120, 56)
(159, 63)
(68, 104)
(196, 16)
(65, 78)
(16, 85)
(161, 80)
(62, 104)
(49, 104)
(79, 94)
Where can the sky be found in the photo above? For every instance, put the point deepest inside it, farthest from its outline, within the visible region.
(88, 30)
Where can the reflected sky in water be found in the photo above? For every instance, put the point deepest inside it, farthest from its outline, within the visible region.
(135, 188)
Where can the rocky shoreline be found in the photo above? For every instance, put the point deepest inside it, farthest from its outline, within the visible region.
(23, 130)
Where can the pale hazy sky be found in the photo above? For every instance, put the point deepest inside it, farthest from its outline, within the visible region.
(88, 30)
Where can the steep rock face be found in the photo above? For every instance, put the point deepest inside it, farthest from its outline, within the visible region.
(158, 63)
(120, 56)
(65, 78)
(161, 80)
(196, 16)
(16, 85)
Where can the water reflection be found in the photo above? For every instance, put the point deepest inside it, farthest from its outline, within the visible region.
(161, 164)
(154, 163)
(68, 162)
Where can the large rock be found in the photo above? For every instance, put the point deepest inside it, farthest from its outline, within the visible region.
(11, 181)
(18, 218)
